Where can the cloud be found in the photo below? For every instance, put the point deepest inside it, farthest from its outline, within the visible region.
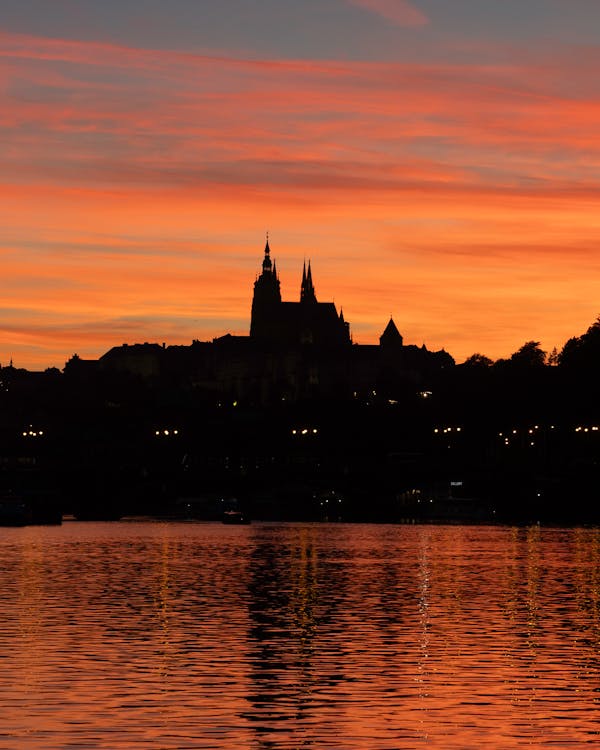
(399, 12)
(138, 185)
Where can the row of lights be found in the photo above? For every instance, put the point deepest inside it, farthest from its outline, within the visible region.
(393, 401)
(166, 433)
(305, 431)
(525, 430)
(446, 430)
(595, 428)
(32, 433)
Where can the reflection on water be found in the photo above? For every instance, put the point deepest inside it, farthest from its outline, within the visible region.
(191, 635)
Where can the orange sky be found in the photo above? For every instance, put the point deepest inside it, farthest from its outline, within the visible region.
(458, 192)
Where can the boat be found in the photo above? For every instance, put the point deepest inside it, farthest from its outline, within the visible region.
(13, 511)
(20, 510)
(235, 517)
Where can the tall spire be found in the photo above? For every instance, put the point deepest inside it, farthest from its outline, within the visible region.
(267, 259)
(266, 298)
(307, 290)
(309, 283)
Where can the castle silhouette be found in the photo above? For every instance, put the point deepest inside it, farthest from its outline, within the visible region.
(289, 323)
(294, 350)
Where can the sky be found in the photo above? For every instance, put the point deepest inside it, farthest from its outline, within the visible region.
(436, 160)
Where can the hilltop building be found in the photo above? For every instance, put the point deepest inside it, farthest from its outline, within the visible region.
(295, 350)
(294, 323)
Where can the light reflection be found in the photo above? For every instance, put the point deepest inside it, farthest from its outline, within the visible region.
(276, 635)
(423, 667)
(31, 609)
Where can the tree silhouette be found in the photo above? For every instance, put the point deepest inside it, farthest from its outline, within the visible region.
(529, 355)
(553, 357)
(478, 360)
(583, 352)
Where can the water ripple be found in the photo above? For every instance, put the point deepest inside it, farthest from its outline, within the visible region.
(335, 637)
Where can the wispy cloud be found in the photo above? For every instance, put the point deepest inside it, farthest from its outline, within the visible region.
(399, 12)
(138, 185)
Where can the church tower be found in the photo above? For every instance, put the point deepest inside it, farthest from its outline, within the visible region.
(294, 324)
(266, 300)
(391, 340)
(307, 290)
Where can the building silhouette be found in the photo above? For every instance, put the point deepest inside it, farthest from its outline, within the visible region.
(294, 323)
(294, 351)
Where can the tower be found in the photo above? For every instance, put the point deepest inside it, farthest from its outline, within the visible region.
(307, 290)
(391, 339)
(266, 300)
(293, 324)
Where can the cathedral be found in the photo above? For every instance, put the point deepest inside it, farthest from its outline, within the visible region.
(295, 350)
(289, 324)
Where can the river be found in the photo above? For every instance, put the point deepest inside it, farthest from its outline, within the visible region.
(176, 635)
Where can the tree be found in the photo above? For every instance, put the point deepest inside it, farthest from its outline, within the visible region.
(529, 355)
(477, 360)
(583, 352)
(553, 357)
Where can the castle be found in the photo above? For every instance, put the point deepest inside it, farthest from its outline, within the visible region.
(294, 323)
(295, 350)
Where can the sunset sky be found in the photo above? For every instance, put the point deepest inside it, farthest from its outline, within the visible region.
(437, 160)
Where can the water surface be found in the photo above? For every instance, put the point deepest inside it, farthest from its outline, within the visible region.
(190, 635)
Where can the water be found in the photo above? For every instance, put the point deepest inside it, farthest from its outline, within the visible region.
(169, 636)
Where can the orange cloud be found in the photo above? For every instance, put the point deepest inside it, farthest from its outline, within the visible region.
(137, 186)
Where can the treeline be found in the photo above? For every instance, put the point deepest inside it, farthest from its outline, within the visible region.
(581, 353)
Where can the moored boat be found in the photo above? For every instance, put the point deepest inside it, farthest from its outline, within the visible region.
(235, 517)
(19, 510)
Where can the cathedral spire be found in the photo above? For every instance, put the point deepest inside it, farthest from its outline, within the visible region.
(267, 259)
(307, 290)
(266, 298)
(309, 283)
